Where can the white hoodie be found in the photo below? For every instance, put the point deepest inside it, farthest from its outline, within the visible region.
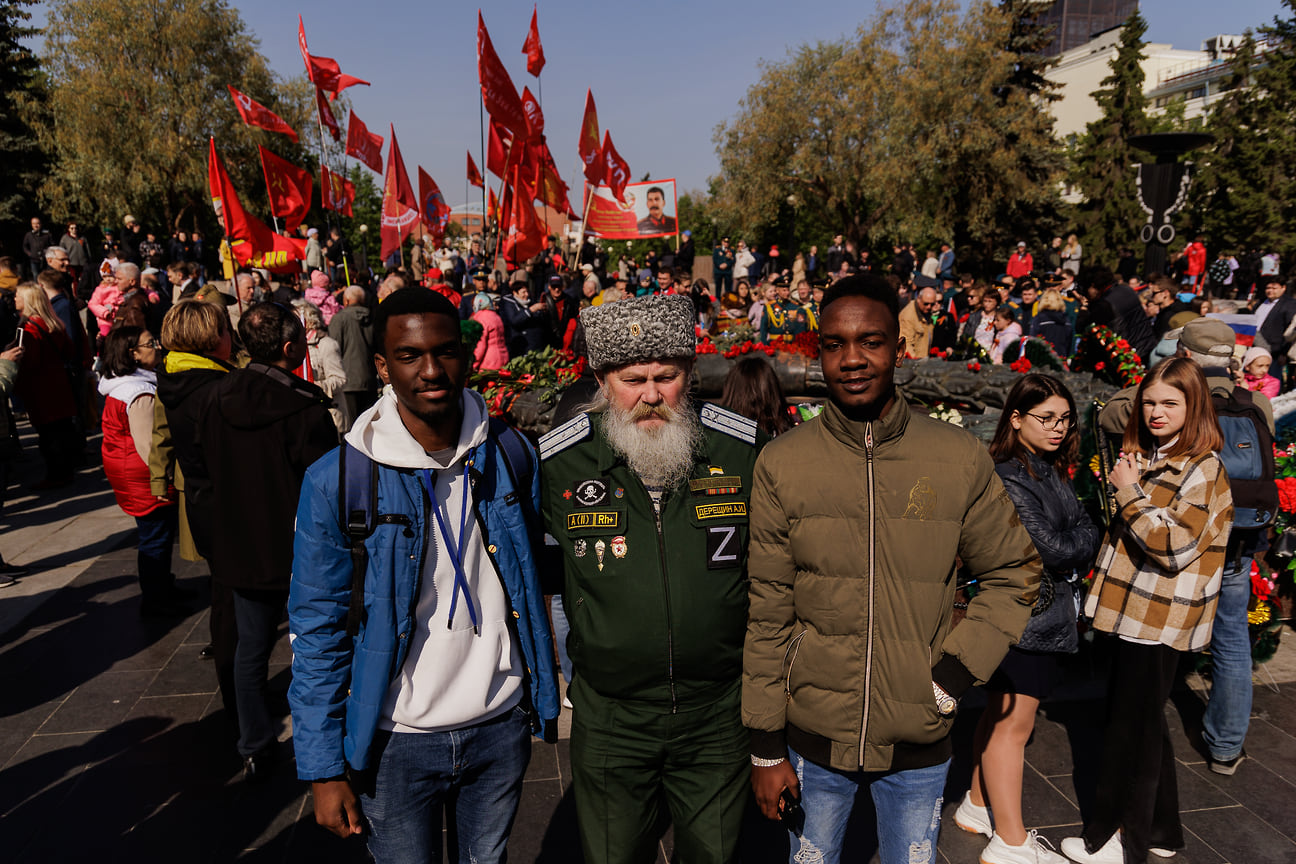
(452, 676)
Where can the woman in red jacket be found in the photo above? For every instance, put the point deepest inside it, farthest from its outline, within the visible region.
(44, 385)
(129, 388)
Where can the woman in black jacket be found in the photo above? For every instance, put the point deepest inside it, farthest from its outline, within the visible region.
(1034, 449)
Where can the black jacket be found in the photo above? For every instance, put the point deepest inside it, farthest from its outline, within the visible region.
(1051, 326)
(184, 397)
(1067, 541)
(1276, 324)
(262, 428)
(1121, 310)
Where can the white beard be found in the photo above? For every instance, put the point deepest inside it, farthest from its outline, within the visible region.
(661, 456)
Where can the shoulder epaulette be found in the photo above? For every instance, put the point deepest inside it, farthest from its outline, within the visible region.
(557, 440)
(731, 424)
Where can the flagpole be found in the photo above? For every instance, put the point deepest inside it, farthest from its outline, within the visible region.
(508, 155)
(346, 268)
(585, 223)
(481, 127)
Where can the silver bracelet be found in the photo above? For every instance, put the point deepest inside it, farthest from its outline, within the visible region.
(767, 763)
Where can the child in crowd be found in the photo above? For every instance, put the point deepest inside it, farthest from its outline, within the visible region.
(1255, 372)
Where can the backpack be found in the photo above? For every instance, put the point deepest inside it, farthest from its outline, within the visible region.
(358, 504)
(1248, 458)
(1219, 271)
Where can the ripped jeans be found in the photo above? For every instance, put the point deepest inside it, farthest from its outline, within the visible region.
(908, 811)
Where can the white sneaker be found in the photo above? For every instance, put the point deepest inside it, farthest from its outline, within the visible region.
(1110, 853)
(973, 819)
(1163, 853)
(1036, 850)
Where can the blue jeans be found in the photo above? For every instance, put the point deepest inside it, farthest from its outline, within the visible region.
(560, 630)
(1228, 713)
(476, 772)
(908, 811)
(157, 534)
(257, 615)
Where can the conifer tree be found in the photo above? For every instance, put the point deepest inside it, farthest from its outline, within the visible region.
(21, 159)
(1104, 167)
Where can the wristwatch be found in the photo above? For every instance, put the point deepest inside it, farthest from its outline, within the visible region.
(945, 703)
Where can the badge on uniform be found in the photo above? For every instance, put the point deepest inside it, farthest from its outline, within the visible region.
(580, 547)
(591, 493)
(619, 546)
(599, 546)
(717, 484)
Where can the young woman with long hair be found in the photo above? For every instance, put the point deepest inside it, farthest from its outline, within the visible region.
(752, 390)
(1156, 586)
(1034, 449)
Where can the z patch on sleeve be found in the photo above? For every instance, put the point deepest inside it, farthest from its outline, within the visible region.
(723, 549)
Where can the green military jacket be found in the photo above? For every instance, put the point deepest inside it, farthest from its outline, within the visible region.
(658, 611)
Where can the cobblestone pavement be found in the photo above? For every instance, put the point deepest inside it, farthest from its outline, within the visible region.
(114, 746)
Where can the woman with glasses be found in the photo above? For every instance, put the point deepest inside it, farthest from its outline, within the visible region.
(129, 388)
(1034, 449)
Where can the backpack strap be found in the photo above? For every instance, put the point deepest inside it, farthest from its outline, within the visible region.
(517, 462)
(357, 507)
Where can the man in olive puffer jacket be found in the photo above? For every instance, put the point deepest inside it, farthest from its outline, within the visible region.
(852, 668)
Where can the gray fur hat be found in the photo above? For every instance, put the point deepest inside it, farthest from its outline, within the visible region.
(638, 329)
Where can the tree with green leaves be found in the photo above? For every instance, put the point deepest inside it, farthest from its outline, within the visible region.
(136, 89)
(917, 128)
(22, 160)
(1246, 189)
(1104, 166)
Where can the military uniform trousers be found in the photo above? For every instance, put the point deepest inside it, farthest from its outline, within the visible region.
(636, 766)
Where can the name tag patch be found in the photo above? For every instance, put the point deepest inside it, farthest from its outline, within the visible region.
(720, 511)
(600, 520)
(717, 485)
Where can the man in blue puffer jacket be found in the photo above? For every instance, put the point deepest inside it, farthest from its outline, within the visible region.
(452, 668)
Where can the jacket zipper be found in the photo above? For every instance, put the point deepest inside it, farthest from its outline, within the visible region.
(868, 650)
(670, 639)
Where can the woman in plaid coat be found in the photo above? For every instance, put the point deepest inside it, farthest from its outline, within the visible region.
(1156, 585)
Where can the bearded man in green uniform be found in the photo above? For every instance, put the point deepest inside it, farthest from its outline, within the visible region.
(648, 500)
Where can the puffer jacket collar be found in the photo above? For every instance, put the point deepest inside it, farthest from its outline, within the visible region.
(887, 429)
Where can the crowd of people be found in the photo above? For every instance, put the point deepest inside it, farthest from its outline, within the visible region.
(739, 604)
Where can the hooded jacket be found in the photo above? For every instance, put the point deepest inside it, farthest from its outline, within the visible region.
(182, 388)
(260, 431)
(127, 474)
(855, 528)
(342, 688)
(352, 329)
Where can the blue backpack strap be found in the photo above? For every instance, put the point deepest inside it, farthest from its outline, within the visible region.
(518, 464)
(357, 509)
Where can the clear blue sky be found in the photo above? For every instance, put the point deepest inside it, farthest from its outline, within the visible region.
(663, 73)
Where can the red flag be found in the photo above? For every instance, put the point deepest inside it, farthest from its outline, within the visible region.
(474, 176)
(498, 92)
(435, 211)
(256, 114)
(251, 241)
(499, 151)
(492, 208)
(336, 192)
(324, 72)
(400, 207)
(616, 171)
(590, 152)
(363, 144)
(550, 187)
(534, 116)
(524, 236)
(326, 115)
(289, 188)
(532, 48)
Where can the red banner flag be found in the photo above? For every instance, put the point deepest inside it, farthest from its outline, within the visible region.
(363, 144)
(474, 176)
(616, 171)
(492, 208)
(549, 185)
(534, 116)
(289, 188)
(251, 241)
(532, 48)
(590, 152)
(324, 72)
(524, 236)
(499, 152)
(256, 114)
(336, 192)
(301, 43)
(400, 207)
(435, 211)
(326, 115)
(498, 92)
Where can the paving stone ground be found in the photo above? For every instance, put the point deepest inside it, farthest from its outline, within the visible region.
(114, 746)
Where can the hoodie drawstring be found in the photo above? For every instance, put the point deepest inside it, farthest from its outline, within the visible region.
(456, 550)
